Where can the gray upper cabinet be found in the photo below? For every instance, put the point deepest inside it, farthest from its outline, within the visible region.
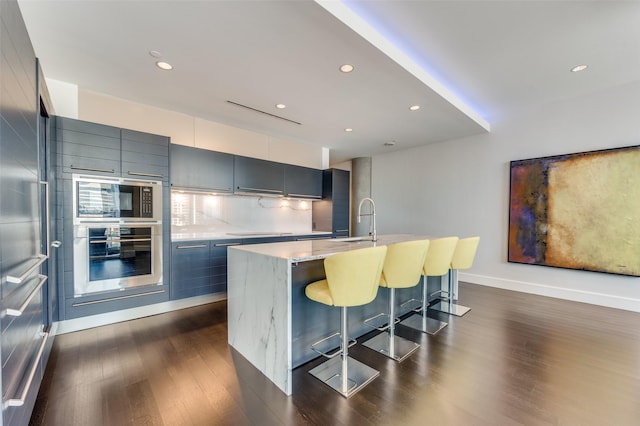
(254, 176)
(201, 169)
(302, 182)
(98, 149)
(88, 147)
(144, 155)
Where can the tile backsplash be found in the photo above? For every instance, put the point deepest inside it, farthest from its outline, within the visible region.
(194, 212)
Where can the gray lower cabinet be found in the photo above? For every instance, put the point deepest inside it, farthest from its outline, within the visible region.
(199, 267)
(201, 170)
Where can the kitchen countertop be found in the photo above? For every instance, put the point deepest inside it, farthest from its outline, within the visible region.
(271, 322)
(302, 251)
(191, 236)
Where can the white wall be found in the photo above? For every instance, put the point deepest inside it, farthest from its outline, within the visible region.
(192, 131)
(64, 97)
(461, 188)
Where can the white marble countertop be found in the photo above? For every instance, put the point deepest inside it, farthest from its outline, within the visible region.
(191, 236)
(301, 251)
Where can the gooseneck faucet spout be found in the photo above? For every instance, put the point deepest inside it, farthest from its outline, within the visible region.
(372, 230)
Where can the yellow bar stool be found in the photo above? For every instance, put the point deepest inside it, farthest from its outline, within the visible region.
(351, 280)
(463, 258)
(436, 264)
(402, 269)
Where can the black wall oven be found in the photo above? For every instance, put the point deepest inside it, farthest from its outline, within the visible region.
(117, 234)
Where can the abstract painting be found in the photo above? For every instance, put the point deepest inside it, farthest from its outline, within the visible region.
(577, 211)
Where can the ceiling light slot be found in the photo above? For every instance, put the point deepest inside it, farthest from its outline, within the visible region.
(263, 112)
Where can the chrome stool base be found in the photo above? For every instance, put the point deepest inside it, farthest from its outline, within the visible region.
(450, 308)
(425, 324)
(358, 376)
(395, 347)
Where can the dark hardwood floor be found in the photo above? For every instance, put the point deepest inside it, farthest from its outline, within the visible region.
(515, 359)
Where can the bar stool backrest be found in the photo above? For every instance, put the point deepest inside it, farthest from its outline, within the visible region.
(439, 255)
(353, 276)
(403, 264)
(465, 253)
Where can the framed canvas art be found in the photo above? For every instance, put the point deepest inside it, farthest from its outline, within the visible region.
(577, 211)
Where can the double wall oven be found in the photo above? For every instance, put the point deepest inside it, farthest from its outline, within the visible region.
(117, 234)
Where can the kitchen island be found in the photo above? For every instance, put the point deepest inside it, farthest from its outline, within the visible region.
(271, 322)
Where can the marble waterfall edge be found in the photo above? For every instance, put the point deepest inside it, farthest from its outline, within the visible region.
(258, 313)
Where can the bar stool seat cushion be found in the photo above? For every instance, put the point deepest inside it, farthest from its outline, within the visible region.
(319, 292)
(352, 278)
(403, 264)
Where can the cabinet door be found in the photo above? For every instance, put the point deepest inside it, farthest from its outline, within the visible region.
(190, 269)
(88, 147)
(254, 176)
(341, 204)
(145, 155)
(302, 182)
(219, 264)
(201, 169)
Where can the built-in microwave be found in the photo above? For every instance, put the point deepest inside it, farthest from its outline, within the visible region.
(100, 198)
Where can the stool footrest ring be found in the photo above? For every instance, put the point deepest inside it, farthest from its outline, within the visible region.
(381, 327)
(417, 309)
(332, 353)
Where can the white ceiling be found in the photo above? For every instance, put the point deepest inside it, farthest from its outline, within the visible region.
(467, 63)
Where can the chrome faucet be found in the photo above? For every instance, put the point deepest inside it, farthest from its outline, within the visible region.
(372, 230)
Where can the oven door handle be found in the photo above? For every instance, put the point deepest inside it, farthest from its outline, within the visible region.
(119, 240)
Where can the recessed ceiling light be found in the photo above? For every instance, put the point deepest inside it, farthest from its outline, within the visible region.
(414, 107)
(346, 68)
(154, 53)
(389, 143)
(348, 129)
(281, 106)
(579, 68)
(164, 65)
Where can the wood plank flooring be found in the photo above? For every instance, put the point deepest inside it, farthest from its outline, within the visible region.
(515, 359)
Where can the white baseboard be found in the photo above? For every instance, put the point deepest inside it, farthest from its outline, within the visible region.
(593, 298)
(77, 324)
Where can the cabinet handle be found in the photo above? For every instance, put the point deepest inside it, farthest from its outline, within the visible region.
(19, 279)
(341, 230)
(191, 247)
(120, 240)
(145, 174)
(91, 169)
(111, 299)
(274, 191)
(47, 213)
(20, 310)
(226, 244)
(56, 244)
(317, 197)
(200, 188)
(18, 402)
